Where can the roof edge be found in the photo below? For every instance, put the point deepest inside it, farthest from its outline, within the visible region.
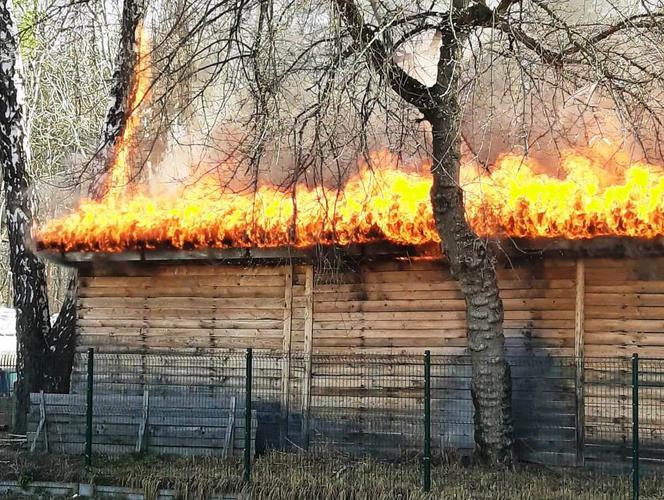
(507, 249)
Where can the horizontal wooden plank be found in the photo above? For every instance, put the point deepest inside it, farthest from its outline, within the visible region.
(178, 344)
(623, 299)
(262, 291)
(199, 268)
(223, 278)
(182, 303)
(436, 305)
(626, 325)
(443, 295)
(118, 403)
(424, 286)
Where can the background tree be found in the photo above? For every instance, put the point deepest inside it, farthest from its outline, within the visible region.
(28, 278)
(578, 50)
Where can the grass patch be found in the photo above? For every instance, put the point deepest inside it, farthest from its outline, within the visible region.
(280, 475)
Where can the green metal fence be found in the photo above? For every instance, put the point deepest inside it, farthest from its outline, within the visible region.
(410, 410)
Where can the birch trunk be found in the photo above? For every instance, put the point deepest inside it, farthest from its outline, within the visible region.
(44, 353)
(28, 276)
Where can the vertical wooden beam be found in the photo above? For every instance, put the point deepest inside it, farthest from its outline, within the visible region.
(230, 430)
(141, 441)
(286, 348)
(579, 317)
(308, 347)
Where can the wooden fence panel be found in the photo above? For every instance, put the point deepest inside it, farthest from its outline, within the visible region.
(175, 425)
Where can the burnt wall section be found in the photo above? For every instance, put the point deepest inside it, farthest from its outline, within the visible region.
(406, 306)
(624, 307)
(624, 314)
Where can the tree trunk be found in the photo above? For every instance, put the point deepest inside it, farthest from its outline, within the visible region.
(116, 116)
(28, 276)
(472, 264)
(61, 344)
(44, 353)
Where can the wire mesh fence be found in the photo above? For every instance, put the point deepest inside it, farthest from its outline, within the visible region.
(353, 409)
(651, 413)
(7, 381)
(608, 414)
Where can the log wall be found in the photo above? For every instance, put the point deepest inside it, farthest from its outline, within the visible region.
(565, 409)
(182, 309)
(393, 307)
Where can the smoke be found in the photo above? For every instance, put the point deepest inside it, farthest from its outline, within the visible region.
(219, 124)
(605, 104)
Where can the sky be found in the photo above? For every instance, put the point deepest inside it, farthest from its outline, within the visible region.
(7, 329)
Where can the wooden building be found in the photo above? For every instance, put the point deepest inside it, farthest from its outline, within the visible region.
(565, 308)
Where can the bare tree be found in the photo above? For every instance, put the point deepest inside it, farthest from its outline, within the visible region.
(470, 258)
(28, 278)
(525, 29)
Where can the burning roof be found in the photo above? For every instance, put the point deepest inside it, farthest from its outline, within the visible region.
(590, 195)
(385, 203)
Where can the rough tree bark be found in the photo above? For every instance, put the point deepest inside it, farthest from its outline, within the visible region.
(28, 276)
(472, 264)
(470, 259)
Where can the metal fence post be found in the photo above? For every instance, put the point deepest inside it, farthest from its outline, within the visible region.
(426, 461)
(88, 410)
(635, 426)
(247, 418)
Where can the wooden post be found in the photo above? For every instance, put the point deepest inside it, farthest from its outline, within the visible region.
(286, 354)
(247, 415)
(635, 428)
(230, 430)
(426, 461)
(41, 427)
(141, 441)
(579, 317)
(308, 347)
(88, 407)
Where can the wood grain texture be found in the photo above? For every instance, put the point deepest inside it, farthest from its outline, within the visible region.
(553, 307)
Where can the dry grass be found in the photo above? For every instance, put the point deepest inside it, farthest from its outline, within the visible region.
(289, 476)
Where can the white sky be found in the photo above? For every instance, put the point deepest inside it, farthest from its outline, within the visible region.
(7, 329)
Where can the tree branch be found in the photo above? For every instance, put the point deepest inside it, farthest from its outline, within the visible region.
(554, 57)
(116, 118)
(409, 88)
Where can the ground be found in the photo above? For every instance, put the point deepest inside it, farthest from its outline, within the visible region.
(279, 475)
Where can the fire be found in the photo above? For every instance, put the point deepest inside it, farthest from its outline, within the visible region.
(516, 201)
(384, 202)
(120, 174)
(384, 205)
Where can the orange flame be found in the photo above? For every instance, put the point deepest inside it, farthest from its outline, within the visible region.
(516, 201)
(385, 203)
(381, 203)
(120, 173)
